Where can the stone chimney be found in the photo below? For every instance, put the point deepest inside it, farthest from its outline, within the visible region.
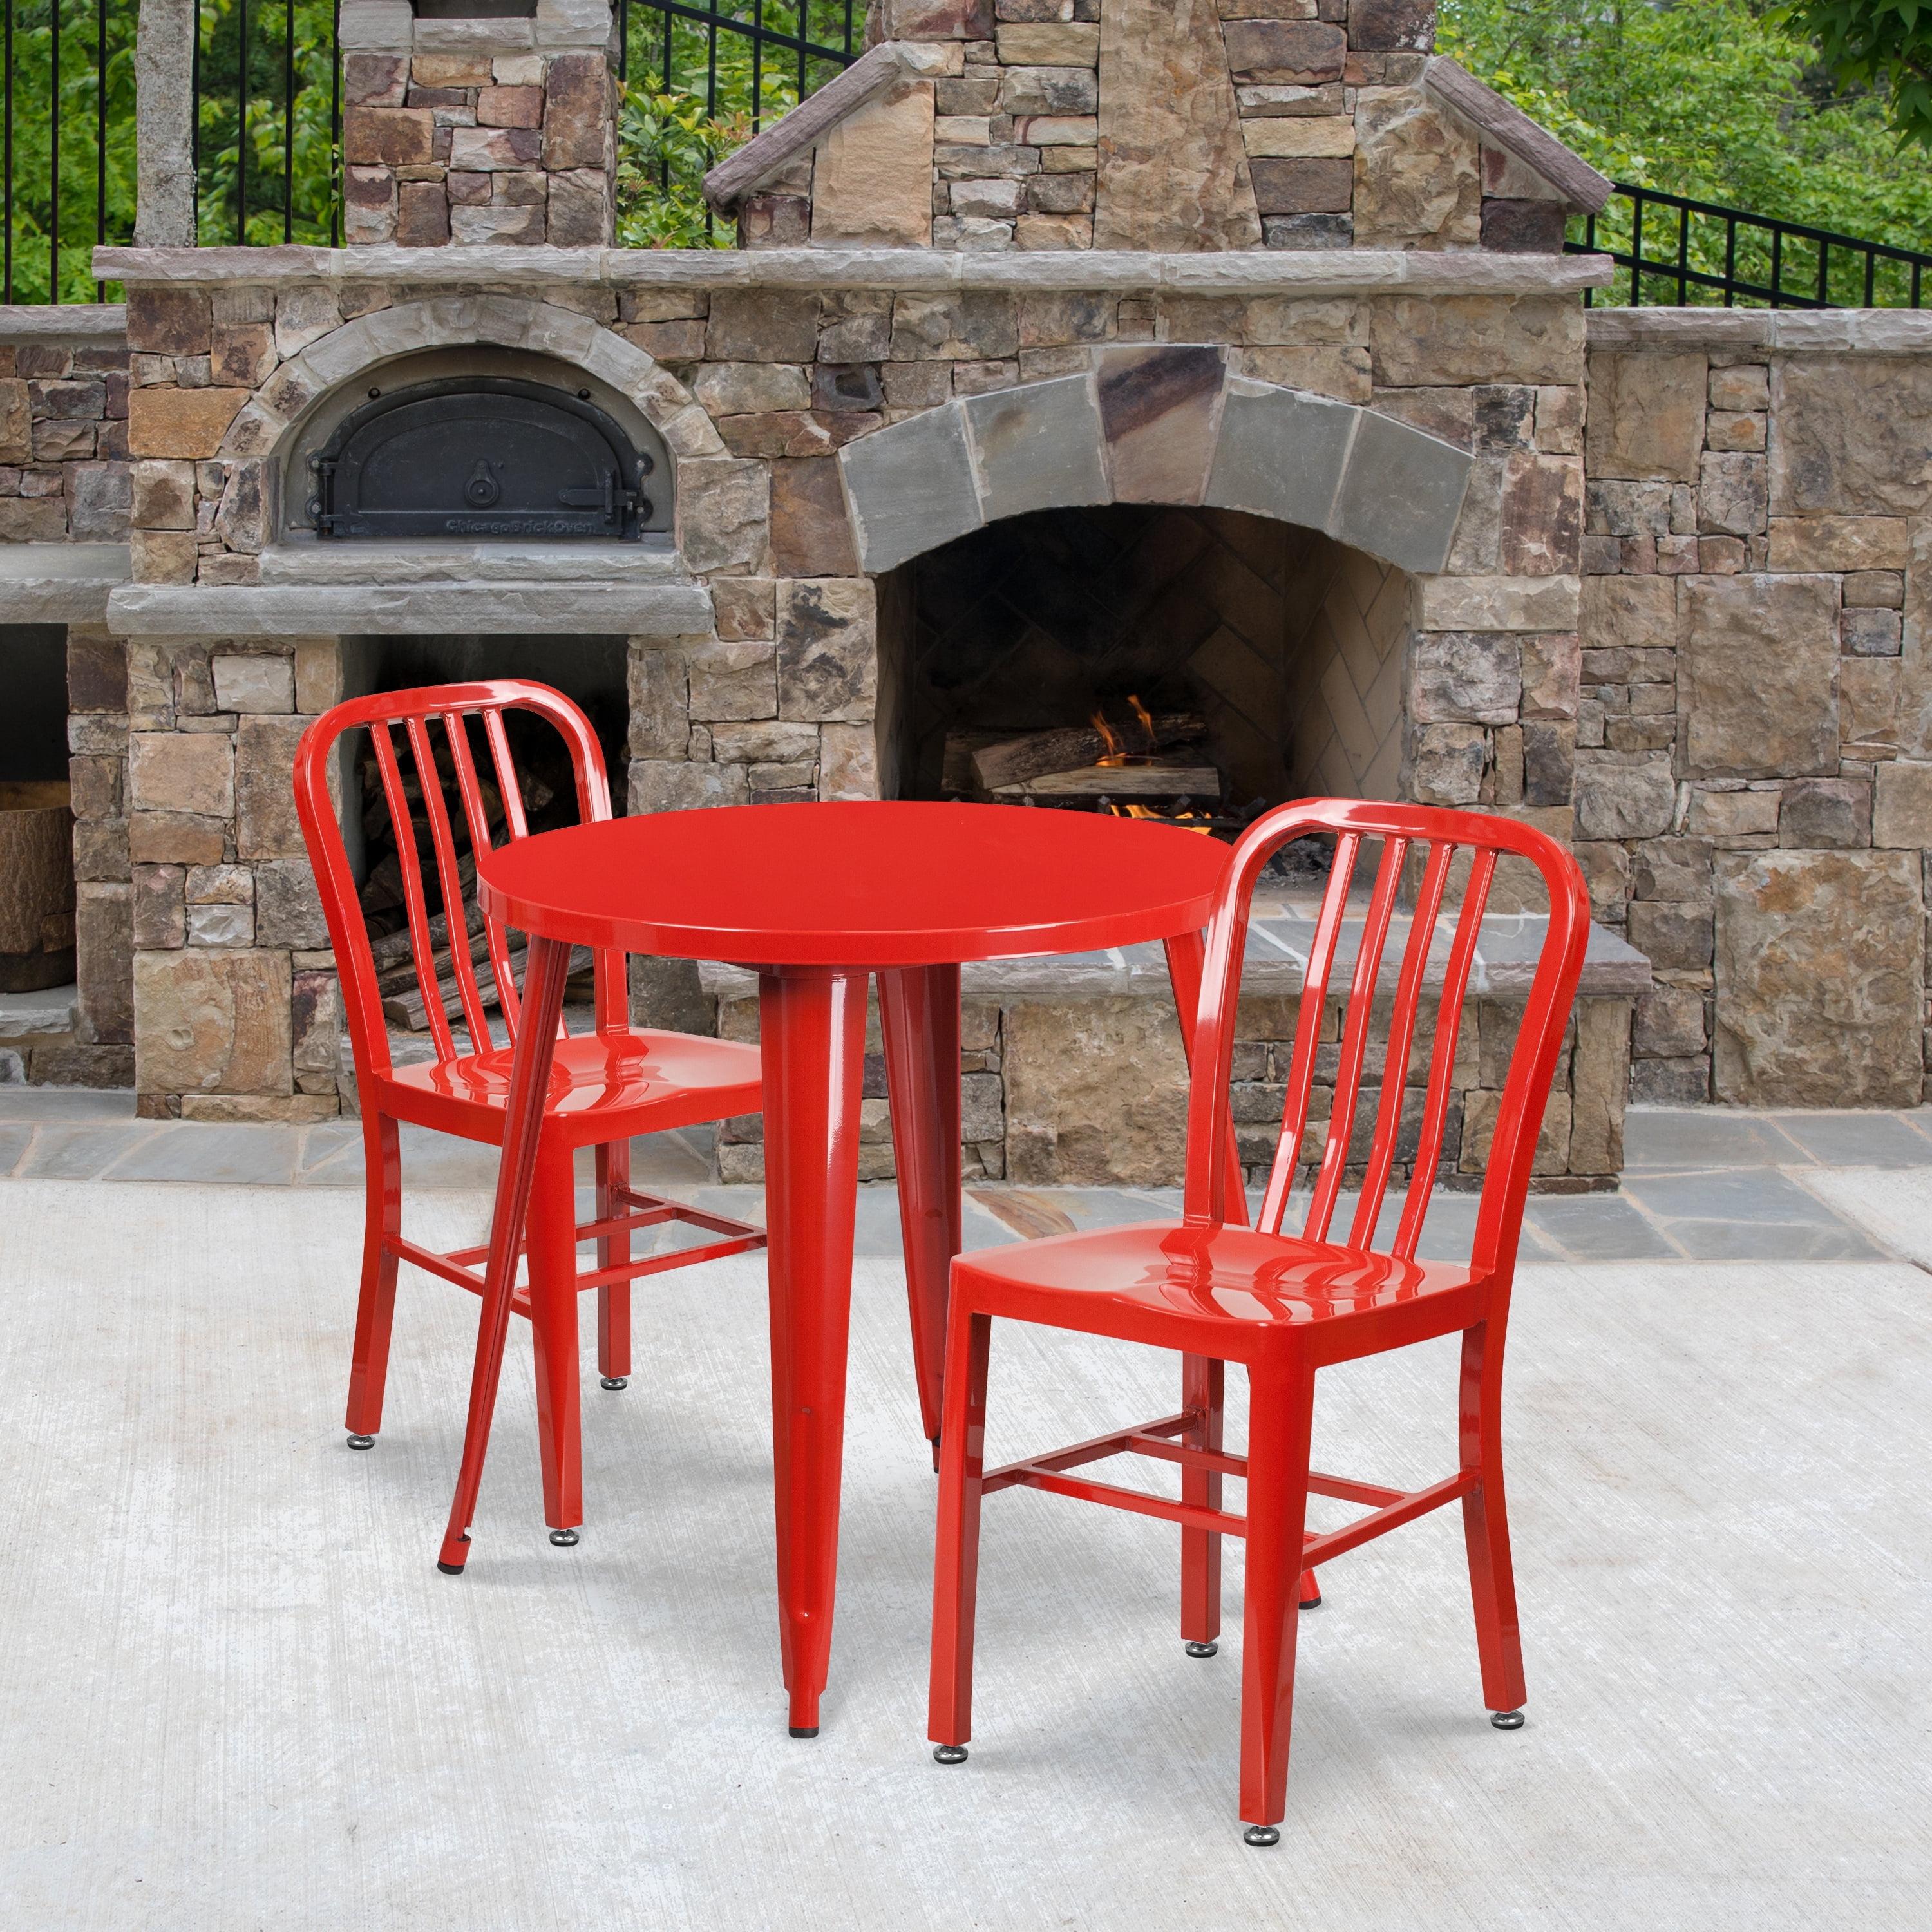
(462, 131)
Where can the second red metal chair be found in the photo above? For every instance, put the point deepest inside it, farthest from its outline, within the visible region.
(1283, 1306)
(607, 1085)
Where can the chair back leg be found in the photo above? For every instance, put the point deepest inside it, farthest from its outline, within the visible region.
(552, 1253)
(1281, 1406)
(1486, 1524)
(376, 1308)
(955, 1576)
(613, 1298)
(1203, 1391)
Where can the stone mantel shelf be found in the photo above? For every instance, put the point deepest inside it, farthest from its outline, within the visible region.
(409, 565)
(1258, 271)
(618, 609)
(59, 583)
(1901, 332)
(1277, 952)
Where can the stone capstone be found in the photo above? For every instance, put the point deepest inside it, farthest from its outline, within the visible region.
(1820, 974)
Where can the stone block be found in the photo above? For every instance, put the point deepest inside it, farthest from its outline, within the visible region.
(1400, 495)
(684, 787)
(1874, 590)
(811, 534)
(1725, 816)
(1390, 26)
(1757, 682)
(288, 909)
(1037, 447)
(1629, 613)
(1062, 1061)
(496, 226)
(954, 327)
(264, 755)
(182, 771)
(1599, 1086)
(1819, 977)
(827, 648)
(733, 680)
(164, 321)
(1280, 455)
(848, 765)
(1542, 533)
(175, 837)
(1446, 764)
(1839, 543)
(1825, 812)
(762, 325)
(1500, 603)
(1157, 413)
(160, 909)
(180, 423)
(1523, 227)
(1902, 806)
(1676, 869)
(577, 124)
(1551, 673)
(723, 510)
(252, 681)
(911, 488)
(1304, 187)
(221, 924)
(1733, 495)
(1743, 386)
(1617, 800)
(1673, 936)
(422, 215)
(212, 1022)
(99, 496)
(1302, 53)
(1646, 419)
(1417, 172)
(849, 386)
(1464, 677)
(388, 137)
(1668, 1023)
(1172, 171)
(1421, 341)
(1871, 633)
(1851, 435)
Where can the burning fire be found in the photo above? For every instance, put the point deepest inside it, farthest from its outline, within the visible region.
(1188, 821)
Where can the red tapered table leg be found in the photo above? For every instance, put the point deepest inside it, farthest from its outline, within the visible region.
(523, 1123)
(811, 1026)
(919, 1015)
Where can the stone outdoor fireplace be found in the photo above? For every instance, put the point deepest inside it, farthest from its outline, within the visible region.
(1227, 365)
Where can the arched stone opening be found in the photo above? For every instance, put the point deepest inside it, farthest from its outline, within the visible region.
(1287, 645)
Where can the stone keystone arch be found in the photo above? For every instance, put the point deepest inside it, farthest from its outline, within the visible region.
(1162, 423)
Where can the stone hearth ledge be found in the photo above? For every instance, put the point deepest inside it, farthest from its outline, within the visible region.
(1277, 956)
(59, 583)
(304, 610)
(405, 565)
(1277, 271)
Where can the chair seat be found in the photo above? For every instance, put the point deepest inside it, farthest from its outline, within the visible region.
(602, 1086)
(1224, 1291)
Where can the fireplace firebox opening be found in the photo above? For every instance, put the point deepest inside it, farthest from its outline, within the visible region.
(36, 871)
(1152, 660)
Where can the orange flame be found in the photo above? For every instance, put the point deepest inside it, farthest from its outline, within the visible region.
(1113, 755)
(1142, 713)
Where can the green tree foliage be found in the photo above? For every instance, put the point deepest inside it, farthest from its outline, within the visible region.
(1712, 99)
(1881, 44)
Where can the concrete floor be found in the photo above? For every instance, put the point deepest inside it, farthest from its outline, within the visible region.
(240, 1696)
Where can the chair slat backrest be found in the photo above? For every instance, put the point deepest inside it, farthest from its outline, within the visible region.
(1407, 834)
(441, 711)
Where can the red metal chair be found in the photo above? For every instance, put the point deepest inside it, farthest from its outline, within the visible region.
(606, 1086)
(1284, 1306)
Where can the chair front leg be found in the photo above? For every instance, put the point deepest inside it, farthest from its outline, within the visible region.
(1281, 1410)
(1486, 1525)
(552, 1292)
(955, 1572)
(614, 1299)
(376, 1306)
(1203, 1387)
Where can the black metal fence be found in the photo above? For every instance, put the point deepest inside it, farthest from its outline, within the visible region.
(1683, 253)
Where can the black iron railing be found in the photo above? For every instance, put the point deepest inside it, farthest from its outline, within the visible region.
(1683, 253)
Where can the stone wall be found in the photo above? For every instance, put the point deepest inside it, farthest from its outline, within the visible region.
(1753, 792)
(475, 131)
(63, 472)
(1151, 124)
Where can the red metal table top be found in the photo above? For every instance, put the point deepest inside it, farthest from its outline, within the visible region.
(857, 884)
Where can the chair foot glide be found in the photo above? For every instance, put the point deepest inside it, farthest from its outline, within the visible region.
(804, 1730)
(1262, 1834)
(949, 1754)
(1203, 1649)
(564, 1539)
(449, 1569)
(361, 1441)
(1507, 1721)
(613, 1383)
(1309, 1603)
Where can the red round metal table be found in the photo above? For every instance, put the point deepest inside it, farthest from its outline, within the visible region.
(818, 898)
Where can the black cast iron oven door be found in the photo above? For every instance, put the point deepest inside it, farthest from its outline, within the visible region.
(480, 456)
